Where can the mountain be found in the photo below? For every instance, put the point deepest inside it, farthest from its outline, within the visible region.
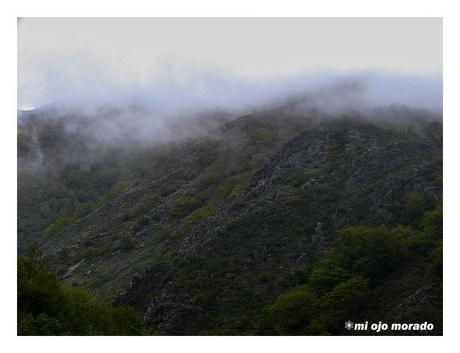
(249, 226)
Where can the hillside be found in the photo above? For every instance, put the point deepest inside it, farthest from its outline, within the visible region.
(231, 232)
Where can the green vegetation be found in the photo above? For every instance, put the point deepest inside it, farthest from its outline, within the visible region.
(127, 243)
(355, 268)
(56, 227)
(276, 227)
(195, 218)
(47, 307)
(417, 204)
(183, 207)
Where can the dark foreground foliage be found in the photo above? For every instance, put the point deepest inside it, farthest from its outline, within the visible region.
(349, 282)
(46, 307)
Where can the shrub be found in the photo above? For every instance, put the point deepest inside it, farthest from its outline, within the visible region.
(127, 243)
(83, 209)
(57, 226)
(141, 223)
(182, 208)
(417, 204)
(196, 217)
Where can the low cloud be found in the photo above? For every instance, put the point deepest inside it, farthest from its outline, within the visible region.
(186, 102)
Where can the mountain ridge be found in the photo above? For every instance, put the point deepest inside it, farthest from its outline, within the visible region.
(249, 211)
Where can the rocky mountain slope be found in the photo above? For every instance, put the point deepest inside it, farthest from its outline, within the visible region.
(202, 235)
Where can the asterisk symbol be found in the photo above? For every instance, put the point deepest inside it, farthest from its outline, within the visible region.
(349, 325)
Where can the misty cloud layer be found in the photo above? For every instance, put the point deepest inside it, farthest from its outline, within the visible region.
(119, 83)
(185, 89)
(188, 103)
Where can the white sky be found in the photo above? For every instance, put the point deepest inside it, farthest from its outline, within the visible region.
(61, 57)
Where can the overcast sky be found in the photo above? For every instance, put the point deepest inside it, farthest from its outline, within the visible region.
(76, 57)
